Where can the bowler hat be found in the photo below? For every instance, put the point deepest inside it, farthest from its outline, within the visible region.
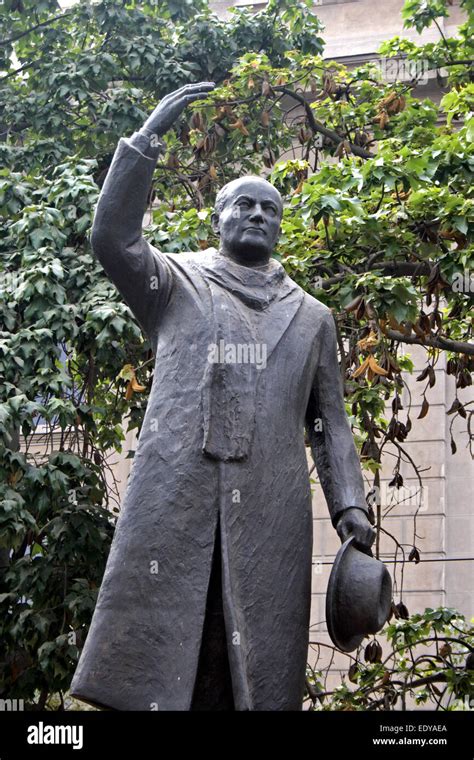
(358, 598)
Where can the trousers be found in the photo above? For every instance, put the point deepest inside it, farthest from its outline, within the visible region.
(213, 685)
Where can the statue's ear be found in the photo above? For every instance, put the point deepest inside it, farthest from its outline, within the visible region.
(215, 222)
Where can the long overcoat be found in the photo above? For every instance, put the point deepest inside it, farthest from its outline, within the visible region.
(204, 455)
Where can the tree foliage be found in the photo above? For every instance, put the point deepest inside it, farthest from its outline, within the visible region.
(378, 224)
(430, 662)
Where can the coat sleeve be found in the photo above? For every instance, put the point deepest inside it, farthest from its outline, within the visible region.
(137, 269)
(332, 445)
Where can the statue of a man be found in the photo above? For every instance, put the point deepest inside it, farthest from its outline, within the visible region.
(205, 600)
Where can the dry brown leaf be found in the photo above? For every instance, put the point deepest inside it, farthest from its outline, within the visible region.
(369, 342)
(376, 368)
(136, 387)
(424, 409)
(239, 124)
(361, 369)
(129, 392)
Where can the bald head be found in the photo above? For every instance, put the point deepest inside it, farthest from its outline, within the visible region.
(247, 216)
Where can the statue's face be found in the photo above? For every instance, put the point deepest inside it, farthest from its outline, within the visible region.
(249, 223)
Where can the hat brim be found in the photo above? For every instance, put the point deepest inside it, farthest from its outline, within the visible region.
(344, 644)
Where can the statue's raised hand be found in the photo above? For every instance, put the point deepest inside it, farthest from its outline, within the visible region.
(171, 106)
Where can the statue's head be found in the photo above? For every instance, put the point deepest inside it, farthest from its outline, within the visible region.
(247, 217)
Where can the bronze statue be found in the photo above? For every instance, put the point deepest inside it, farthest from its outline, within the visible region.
(205, 599)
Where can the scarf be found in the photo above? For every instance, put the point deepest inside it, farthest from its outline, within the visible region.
(251, 309)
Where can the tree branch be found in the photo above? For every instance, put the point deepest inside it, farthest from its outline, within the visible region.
(467, 62)
(443, 37)
(316, 126)
(391, 268)
(16, 37)
(19, 70)
(444, 344)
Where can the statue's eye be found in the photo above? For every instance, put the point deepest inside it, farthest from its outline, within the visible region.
(244, 203)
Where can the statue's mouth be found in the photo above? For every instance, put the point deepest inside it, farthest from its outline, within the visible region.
(255, 229)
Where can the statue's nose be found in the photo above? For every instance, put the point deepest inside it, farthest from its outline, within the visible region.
(256, 214)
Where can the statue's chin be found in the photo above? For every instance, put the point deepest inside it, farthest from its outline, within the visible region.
(249, 254)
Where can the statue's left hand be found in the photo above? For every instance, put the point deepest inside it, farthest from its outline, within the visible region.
(355, 522)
